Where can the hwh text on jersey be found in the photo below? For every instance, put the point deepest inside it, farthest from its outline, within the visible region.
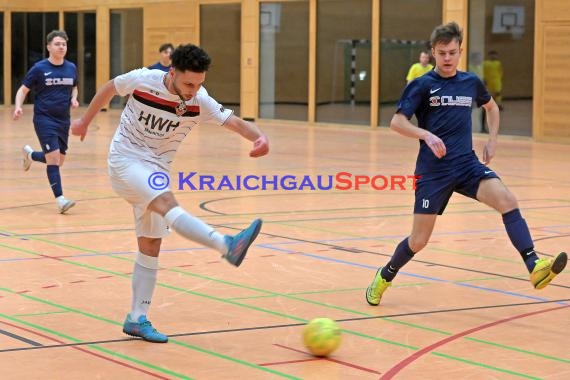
(157, 123)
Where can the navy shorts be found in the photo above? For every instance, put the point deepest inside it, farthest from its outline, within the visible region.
(433, 190)
(52, 136)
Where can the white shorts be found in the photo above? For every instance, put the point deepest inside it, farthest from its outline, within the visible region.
(130, 180)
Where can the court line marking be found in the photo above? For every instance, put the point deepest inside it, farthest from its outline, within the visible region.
(428, 349)
(356, 333)
(312, 358)
(123, 364)
(287, 325)
(116, 323)
(20, 338)
(88, 266)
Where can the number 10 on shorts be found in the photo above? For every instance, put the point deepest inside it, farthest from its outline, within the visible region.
(425, 203)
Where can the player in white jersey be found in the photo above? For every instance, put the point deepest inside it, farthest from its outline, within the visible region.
(161, 110)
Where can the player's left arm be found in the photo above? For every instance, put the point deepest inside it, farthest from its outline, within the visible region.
(251, 132)
(493, 119)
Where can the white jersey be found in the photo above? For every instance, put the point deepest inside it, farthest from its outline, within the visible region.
(150, 128)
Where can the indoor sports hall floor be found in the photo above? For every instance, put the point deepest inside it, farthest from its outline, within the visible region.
(462, 309)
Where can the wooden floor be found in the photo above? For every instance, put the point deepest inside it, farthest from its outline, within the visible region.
(462, 309)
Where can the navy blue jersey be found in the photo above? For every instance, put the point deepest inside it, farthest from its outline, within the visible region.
(52, 85)
(443, 107)
(159, 66)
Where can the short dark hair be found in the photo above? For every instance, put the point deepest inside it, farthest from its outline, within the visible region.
(190, 58)
(56, 33)
(446, 33)
(165, 47)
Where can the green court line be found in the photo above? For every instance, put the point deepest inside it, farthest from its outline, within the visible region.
(93, 346)
(39, 314)
(106, 320)
(326, 291)
(297, 293)
(489, 367)
(416, 326)
(519, 350)
(89, 315)
(203, 350)
(250, 306)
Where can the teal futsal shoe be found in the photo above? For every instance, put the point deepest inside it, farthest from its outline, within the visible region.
(143, 329)
(238, 244)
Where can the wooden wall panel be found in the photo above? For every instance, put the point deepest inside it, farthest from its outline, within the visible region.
(174, 22)
(552, 123)
(458, 10)
(554, 10)
(178, 21)
(249, 88)
(103, 57)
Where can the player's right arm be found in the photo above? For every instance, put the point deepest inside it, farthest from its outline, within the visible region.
(403, 126)
(19, 101)
(101, 98)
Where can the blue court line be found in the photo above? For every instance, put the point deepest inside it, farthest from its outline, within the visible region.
(453, 233)
(417, 276)
(330, 259)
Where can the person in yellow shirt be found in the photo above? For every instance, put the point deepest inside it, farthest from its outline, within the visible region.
(493, 76)
(419, 68)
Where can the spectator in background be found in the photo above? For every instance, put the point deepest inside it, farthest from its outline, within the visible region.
(165, 51)
(493, 75)
(419, 68)
(476, 67)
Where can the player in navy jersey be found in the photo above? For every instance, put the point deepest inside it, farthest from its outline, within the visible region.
(164, 62)
(442, 101)
(161, 111)
(54, 81)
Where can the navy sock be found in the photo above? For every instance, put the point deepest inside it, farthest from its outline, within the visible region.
(39, 157)
(520, 237)
(401, 256)
(54, 179)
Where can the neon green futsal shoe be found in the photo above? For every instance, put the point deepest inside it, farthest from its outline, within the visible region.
(546, 269)
(376, 289)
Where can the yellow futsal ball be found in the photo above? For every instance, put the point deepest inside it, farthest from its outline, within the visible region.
(321, 336)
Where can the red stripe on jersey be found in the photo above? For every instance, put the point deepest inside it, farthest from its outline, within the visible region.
(155, 99)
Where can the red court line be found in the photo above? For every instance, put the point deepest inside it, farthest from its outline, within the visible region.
(418, 354)
(87, 351)
(323, 358)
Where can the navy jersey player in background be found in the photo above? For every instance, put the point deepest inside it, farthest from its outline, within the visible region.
(441, 100)
(164, 62)
(54, 81)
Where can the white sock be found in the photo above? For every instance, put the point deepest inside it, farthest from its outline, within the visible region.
(144, 280)
(194, 229)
